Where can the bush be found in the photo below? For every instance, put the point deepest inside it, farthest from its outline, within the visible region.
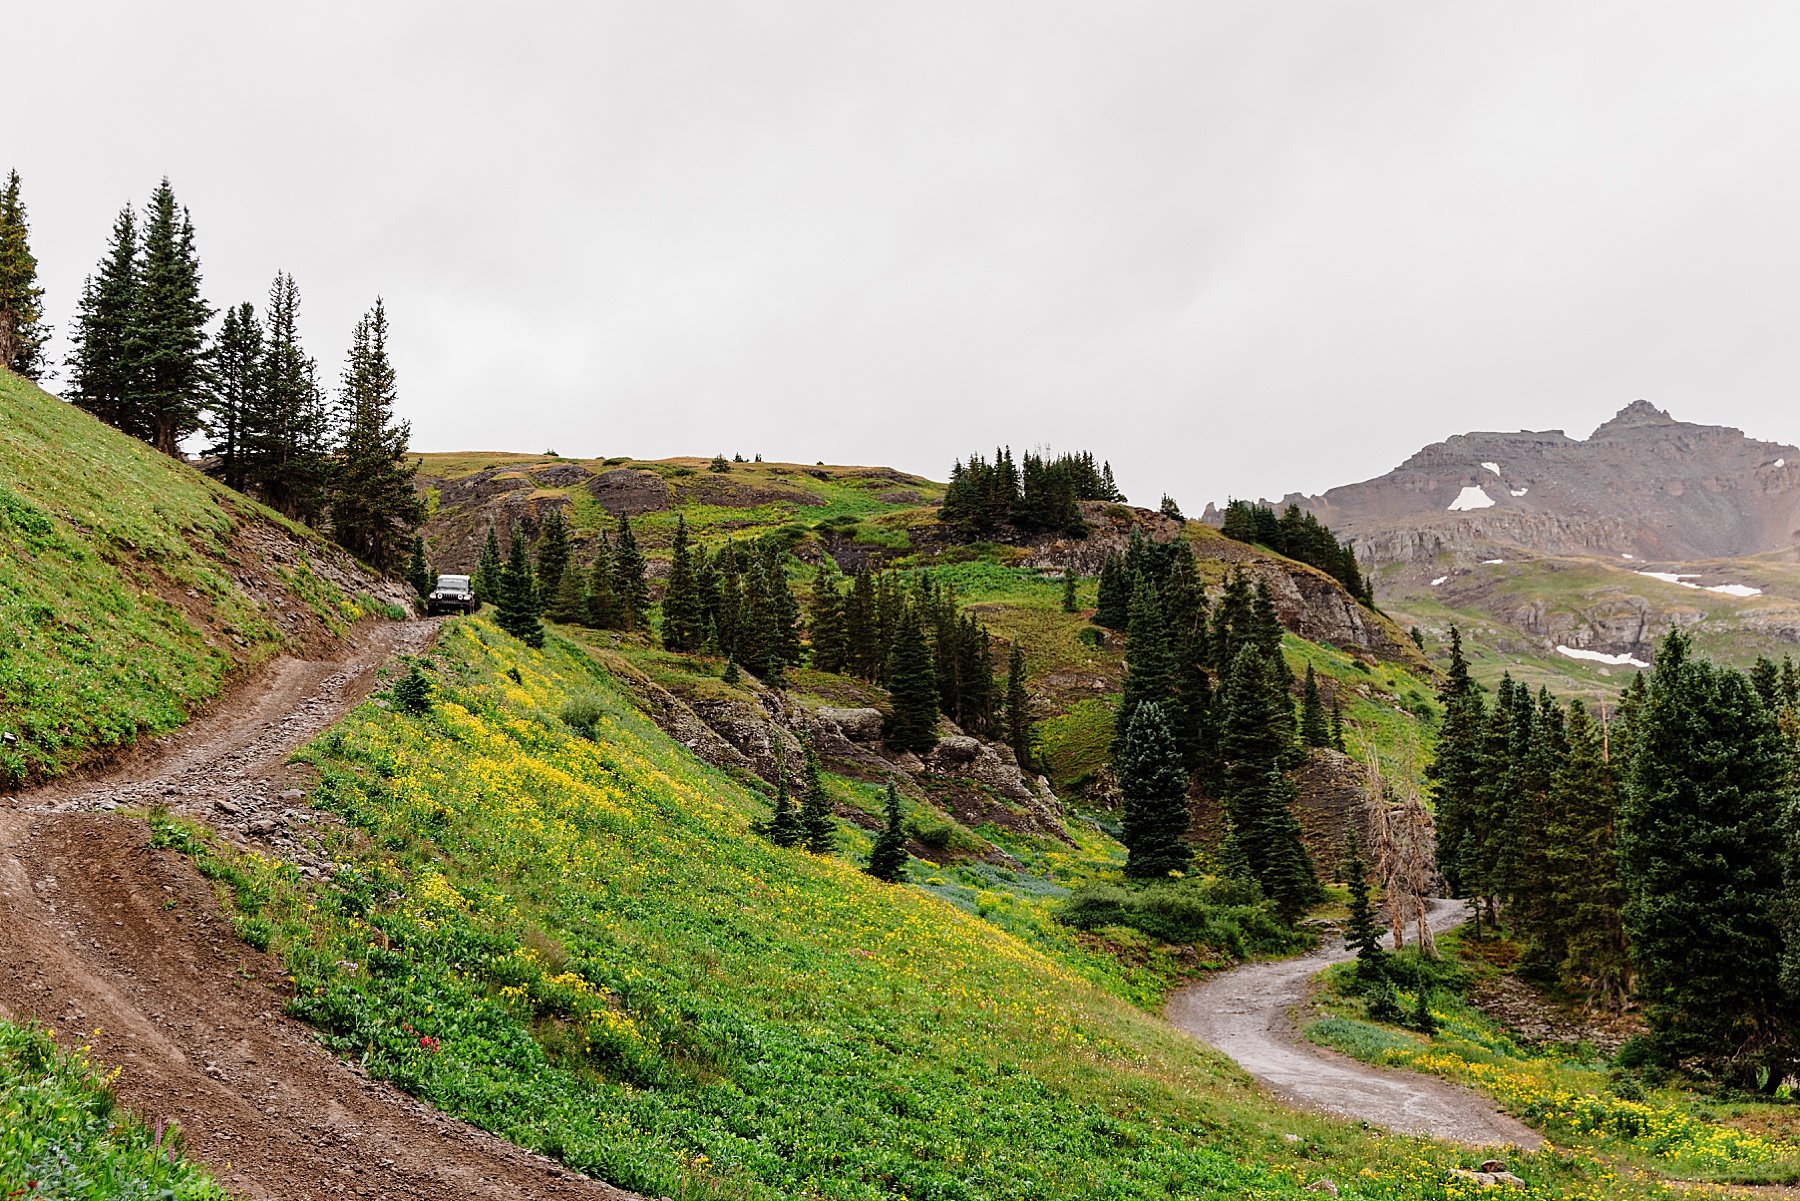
(412, 692)
(582, 714)
(1227, 915)
(932, 830)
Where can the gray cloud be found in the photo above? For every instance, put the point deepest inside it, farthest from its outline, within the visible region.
(1236, 248)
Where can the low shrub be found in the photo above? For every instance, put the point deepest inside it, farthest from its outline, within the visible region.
(1228, 915)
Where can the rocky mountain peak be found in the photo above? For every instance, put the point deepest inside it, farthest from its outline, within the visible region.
(1644, 485)
(1637, 414)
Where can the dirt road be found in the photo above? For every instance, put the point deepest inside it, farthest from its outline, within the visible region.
(126, 947)
(1245, 1013)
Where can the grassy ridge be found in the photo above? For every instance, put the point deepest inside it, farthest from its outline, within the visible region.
(582, 946)
(120, 606)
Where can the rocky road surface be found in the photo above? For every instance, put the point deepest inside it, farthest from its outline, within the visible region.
(123, 947)
(1247, 1013)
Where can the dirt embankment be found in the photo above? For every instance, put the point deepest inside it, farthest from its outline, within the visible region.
(125, 947)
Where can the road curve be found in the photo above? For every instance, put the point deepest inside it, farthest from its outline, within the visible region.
(1245, 1013)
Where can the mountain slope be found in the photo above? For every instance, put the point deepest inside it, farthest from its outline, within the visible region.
(1643, 484)
(132, 588)
(1564, 561)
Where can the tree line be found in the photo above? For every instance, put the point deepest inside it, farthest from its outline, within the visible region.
(1645, 851)
(143, 361)
(1036, 495)
(1298, 536)
(1208, 704)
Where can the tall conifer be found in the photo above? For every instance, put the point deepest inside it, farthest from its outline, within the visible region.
(488, 566)
(1315, 730)
(23, 332)
(552, 552)
(165, 339)
(912, 686)
(1149, 665)
(1153, 781)
(1703, 890)
(631, 590)
(887, 858)
(683, 610)
(519, 601)
(373, 507)
(100, 372)
(235, 381)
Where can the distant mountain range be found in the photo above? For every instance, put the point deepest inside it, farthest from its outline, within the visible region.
(1643, 485)
(1564, 560)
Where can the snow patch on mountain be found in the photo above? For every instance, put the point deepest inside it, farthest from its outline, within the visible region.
(1575, 652)
(1471, 497)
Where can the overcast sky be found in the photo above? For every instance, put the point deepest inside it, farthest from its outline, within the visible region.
(1236, 248)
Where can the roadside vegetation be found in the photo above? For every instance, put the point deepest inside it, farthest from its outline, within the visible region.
(61, 1136)
(585, 945)
(1616, 1107)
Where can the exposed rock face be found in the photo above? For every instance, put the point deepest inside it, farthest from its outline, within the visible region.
(858, 725)
(628, 493)
(1643, 484)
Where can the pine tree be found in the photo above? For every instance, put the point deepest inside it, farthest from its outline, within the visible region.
(235, 383)
(1018, 706)
(1071, 603)
(1337, 727)
(912, 686)
(1457, 771)
(288, 434)
(602, 597)
(519, 602)
(1703, 892)
(1149, 664)
(784, 824)
(100, 372)
(374, 506)
(826, 629)
(569, 605)
(1153, 781)
(1315, 730)
(887, 858)
(816, 827)
(1263, 832)
(1582, 876)
(683, 610)
(165, 339)
(730, 675)
(552, 551)
(1113, 608)
(418, 571)
(1362, 932)
(631, 590)
(488, 566)
(23, 332)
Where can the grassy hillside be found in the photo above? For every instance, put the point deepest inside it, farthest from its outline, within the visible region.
(132, 587)
(584, 946)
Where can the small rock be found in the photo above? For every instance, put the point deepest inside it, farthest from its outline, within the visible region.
(1488, 1179)
(292, 795)
(1322, 1185)
(1492, 1165)
(225, 806)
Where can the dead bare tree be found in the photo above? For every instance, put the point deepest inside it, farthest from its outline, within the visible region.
(1401, 844)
